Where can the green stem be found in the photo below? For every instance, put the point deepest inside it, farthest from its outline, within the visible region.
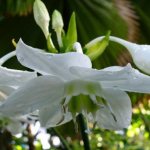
(50, 45)
(83, 128)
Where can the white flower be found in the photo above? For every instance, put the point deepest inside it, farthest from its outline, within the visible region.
(69, 85)
(11, 80)
(139, 53)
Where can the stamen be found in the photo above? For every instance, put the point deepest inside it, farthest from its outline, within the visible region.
(61, 120)
(6, 57)
(67, 100)
(111, 112)
(75, 123)
(63, 109)
(114, 117)
(94, 125)
(106, 104)
(93, 98)
(88, 131)
(93, 120)
(14, 43)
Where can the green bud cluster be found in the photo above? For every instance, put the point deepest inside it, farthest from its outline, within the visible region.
(66, 40)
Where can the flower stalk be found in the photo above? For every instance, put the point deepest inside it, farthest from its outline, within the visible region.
(50, 45)
(84, 134)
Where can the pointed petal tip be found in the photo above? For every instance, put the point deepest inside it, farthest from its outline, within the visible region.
(20, 41)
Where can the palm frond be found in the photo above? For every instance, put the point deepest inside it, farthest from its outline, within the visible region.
(127, 12)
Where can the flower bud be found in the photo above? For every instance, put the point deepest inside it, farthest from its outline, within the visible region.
(41, 16)
(57, 21)
(57, 25)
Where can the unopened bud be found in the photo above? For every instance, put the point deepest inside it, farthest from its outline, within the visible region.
(41, 16)
(57, 21)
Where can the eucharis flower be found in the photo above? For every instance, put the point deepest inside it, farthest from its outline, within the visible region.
(69, 85)
(11, 80)
(139, 53)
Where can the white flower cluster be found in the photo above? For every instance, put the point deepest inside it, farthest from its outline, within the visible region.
(68, 85)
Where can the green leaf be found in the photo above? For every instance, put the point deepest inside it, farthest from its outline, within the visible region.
(71, 36)
(95, 49)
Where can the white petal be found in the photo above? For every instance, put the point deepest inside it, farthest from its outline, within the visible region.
(46, 63)
(53, 116)
(107, 74)
(7, 57)
(140, 53)
(34, 95)
(120, 105)
(136, 82)
(13, 77)
(5, 91)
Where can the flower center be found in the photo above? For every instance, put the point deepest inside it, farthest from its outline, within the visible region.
(85, 87)
(80, 95)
